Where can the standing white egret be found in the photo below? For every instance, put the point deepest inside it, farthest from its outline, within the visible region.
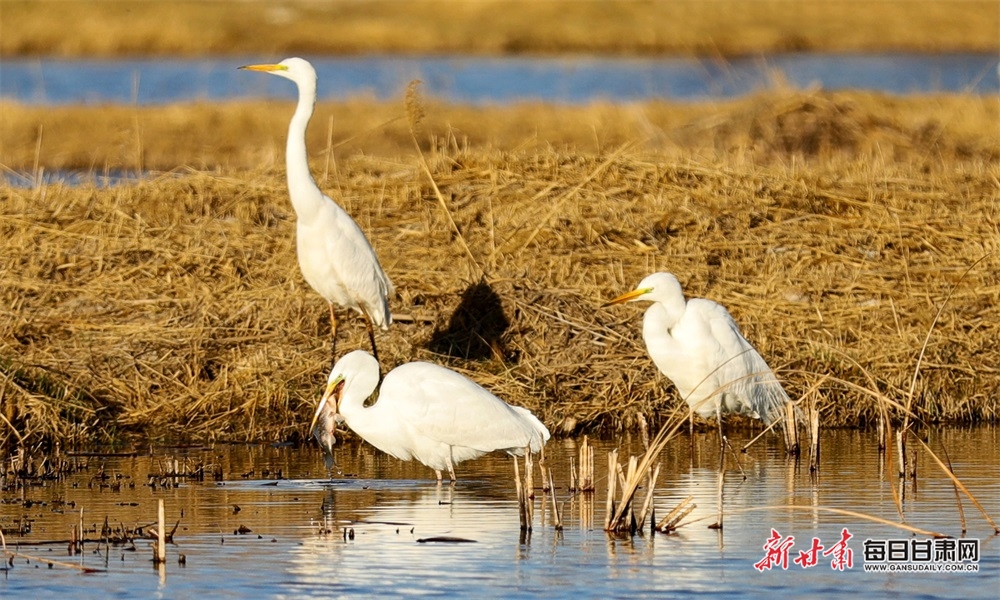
(335, 256)
(698, 346)
(424, 412)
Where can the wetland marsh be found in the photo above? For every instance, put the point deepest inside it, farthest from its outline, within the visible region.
(157, 320)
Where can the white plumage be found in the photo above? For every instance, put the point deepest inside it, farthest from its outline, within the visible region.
(699, 347)
(424, 412)
(335, 257)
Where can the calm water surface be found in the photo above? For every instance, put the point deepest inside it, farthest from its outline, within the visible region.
(494, 80)
(298, 544)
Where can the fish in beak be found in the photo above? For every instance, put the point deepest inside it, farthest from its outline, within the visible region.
(326, 416)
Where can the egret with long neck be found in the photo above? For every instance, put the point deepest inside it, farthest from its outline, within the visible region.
(335, 257)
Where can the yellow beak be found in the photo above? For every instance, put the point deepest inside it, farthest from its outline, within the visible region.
(331, 389)
(265, 68)
(626, 297)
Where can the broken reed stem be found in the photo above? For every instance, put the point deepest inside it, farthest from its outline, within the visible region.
(670, 522)
(813, 412)
(721, 490)
(49, 561)
(529, 488)
(614, 520)
(612, 480)
(901, 451)
(888, 459)
(586, 466)
(541, 468)
(160, 549)
(627, 503)
(791, 429)
(529, 471)
(647, 504)
(524, 491)
(520, 496)
(621, 516)
(556, 517)
(880, 430)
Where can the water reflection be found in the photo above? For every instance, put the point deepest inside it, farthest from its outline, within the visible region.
(277, 525)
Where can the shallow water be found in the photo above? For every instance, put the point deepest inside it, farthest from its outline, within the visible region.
(494, 80)
(299, 543)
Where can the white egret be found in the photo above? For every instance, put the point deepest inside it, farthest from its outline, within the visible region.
(698, 346)
(424, 412)
(335, 257)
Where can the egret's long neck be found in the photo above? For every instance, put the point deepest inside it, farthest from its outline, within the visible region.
(305, 194)
(352, 403)
(672, 309)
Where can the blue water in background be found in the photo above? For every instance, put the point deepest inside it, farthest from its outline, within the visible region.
(493, 80)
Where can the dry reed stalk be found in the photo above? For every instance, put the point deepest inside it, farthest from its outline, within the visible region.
(896, 495)
(961, 486)
(837, 511)
(672, 521)
(813, 415)
(529, 474)
(521, 501)
(572, 474)
(609, 506)
(49, 561)
(880, 429)
(720, 491)
(556, 515)
(525, 503)
(542, 466)
(790, 429)
(620, 516)
(586, 478)
(647, 504)
(901, 450)
(529, 489)
(160, 548)
(958, 495)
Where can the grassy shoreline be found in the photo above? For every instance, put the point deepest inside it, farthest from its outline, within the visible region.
(834, 227)
(767, 127)
(726, 28)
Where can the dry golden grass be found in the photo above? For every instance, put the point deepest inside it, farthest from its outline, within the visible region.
(833, 226)
(247, 135)
(709, 27)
